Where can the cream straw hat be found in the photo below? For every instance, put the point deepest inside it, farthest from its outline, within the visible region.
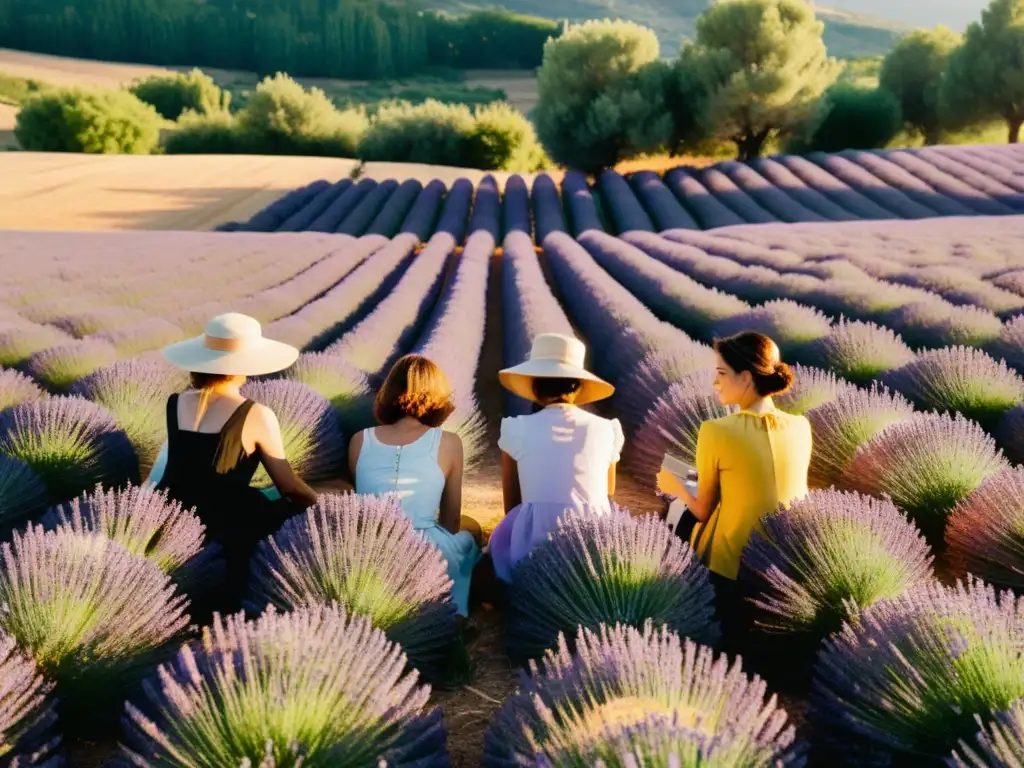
(555, 356)
(233, 345)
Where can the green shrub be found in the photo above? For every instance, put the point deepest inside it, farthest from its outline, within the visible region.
(495, 137)
(282, 118)
(504, 140)
(95, 122)
(215, 133)
(431, 132)
(172, 94)
(850, 117)
(14, 89)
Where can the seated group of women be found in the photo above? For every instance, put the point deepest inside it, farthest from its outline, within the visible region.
(561, 457)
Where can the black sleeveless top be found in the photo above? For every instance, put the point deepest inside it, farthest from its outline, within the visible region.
(225, 502)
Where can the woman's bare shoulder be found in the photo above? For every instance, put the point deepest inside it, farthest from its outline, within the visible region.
(451, 442)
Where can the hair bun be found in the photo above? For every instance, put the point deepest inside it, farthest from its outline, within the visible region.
(778, 381)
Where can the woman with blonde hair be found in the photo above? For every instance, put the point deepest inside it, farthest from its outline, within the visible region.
(558, 458)
(748, 463)
(217, 439)
(408, 453)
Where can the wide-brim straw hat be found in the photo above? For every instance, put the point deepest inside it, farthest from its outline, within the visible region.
(555, 356)
(232, 345)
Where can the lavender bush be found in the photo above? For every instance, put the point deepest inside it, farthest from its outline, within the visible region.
(811, 388)
(135, 391)
(548, 213)
(27, 715)
(847, 422)
(93, 615)
(455, 211)
(17, 388)
(580, 206)
(628, 693)
(623, 206)
(934, 324)
(612, 569)
(831, 554)
(985, 534)
(363, 214)
(999, 743)
(905, 682)
(1010, 344)
(362, 552)
(959, 379)
(341, 383)
(20, 340)
(925, 465)
(515, 207)
(658, 200)
(674, 422)
(59, 367)
(393, 213)
(860, 352)
(793, 327)
(640, 390)
(70, 443)
(142, 520)
(315, 687)
(310, 427)
(707, 209)
(423, 215)
(486, 214)
(1010, 434)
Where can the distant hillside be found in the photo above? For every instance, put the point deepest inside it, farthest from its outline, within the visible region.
(956, 14)
(848, 34)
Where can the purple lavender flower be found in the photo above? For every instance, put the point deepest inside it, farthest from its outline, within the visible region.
(831, 554)
(310, 427)
(81, 324)
(999, 743)
(638, 692)
(27, 714)
(791, 326)
(341, 383)
(60, 367)
(317, 686)
(847, 422)
(655, 374)
(17, 388)
(984, 534)
(21, 491)
(135, 391)
(580, 205)
(70, 443)
(548, 211)
(663, 206)
(362, 552)
(141, 519)
(623, 205)
(594, 570)
(674, 422)
(935, 323)
(904, 683)
(859, 352)
(152, 333)
(960, 379)
(1010, 344)
(811, 388)
(93, 615)
(925, 465)
(20, 340)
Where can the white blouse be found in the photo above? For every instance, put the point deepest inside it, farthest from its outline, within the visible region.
(563, 454)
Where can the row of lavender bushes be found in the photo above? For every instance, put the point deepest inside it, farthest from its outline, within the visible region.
(817, 188)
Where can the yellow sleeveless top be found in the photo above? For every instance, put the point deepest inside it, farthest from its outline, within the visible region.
(761, 462)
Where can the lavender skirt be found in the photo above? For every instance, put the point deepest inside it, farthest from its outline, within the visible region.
(527, 526)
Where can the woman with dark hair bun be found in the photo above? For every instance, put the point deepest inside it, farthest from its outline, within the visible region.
(748, 463)
(411, 455)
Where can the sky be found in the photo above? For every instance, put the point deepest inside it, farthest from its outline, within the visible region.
(956, 14)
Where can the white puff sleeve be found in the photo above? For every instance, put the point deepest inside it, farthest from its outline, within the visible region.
(511, 439)
(618, 441)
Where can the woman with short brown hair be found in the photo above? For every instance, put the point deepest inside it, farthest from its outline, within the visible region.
(409, 454)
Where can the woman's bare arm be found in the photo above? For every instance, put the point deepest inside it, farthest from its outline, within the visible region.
(355, 447)
(450, 513)
(272, 456)
(701, 505)
(511, 493)
(612, 474)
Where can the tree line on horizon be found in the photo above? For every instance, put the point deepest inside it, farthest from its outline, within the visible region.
(348, 39)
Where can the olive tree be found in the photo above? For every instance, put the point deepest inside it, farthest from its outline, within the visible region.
(912, 72)
(762, 66)
(602, 95)
(985, 77)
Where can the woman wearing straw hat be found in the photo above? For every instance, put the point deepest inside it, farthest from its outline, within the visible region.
(216, 440)
(557, 459)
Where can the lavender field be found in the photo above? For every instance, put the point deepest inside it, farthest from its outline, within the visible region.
(884, 605)
(850, 186)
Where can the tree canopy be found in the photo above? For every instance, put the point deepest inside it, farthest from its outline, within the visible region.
(913, 71)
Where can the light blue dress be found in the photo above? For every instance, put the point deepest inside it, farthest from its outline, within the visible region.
(413, 473)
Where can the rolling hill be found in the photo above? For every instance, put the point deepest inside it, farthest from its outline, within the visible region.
(853, 28)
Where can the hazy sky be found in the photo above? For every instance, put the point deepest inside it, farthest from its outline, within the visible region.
(919, 13)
